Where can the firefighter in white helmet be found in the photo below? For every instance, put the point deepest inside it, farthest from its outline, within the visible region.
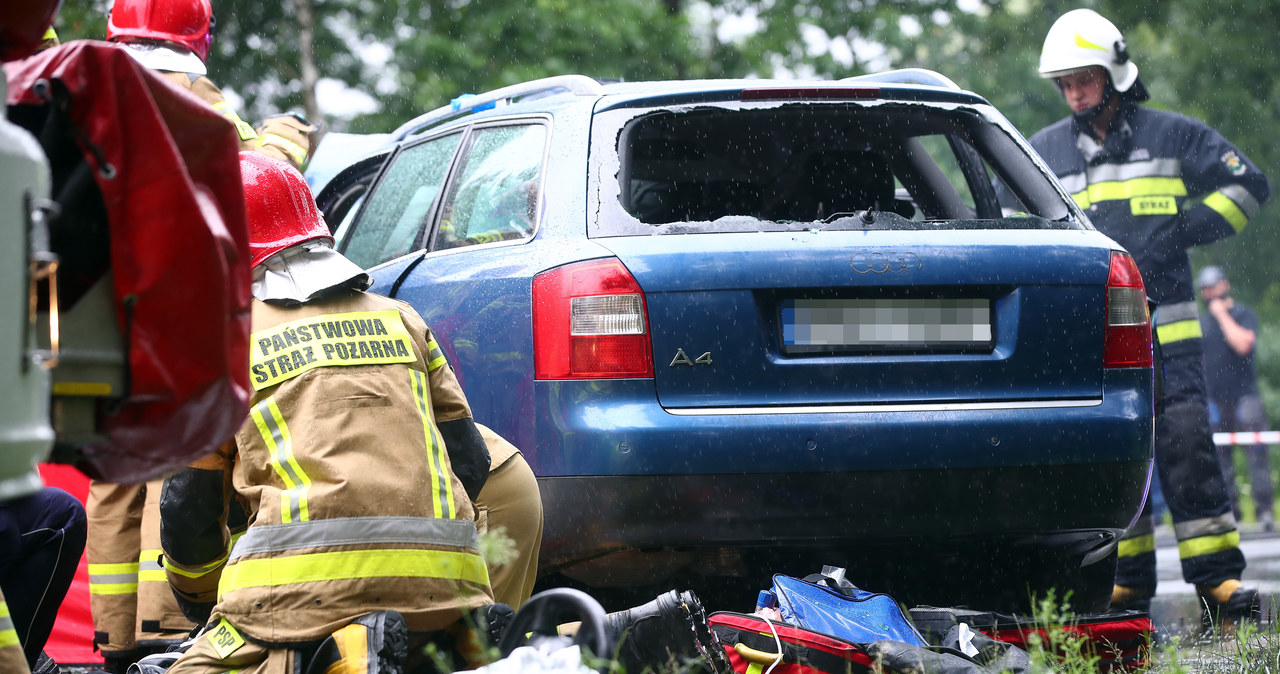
(1158, 183)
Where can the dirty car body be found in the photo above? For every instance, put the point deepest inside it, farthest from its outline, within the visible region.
(739, 325)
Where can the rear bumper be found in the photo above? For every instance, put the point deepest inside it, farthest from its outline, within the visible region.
(589, 517)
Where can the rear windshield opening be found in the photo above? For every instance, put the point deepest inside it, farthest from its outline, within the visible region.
(820, 163)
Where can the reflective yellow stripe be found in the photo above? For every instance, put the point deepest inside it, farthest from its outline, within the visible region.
(245, 131)
(1228, 209)
(1085, 44)
(353, 564)
(1128, 189)
(1132, 547)
(115, 578)
(149, 569)
(1176, 332)
(435, 357)
(275, 433)
(8, 635)
(297, 152)
(442, 504)
(109, 569)
(50, 34)
(198, 571)
(113, 588)
(1208, 545)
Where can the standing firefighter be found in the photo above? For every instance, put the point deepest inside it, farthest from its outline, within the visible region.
(357, 467)
(1157, 183)
(134, 612)
(173, 37)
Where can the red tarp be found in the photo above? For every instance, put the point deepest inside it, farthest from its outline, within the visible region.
(72, 640)
(179, 254)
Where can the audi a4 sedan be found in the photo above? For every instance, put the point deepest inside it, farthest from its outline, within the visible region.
(751, 326)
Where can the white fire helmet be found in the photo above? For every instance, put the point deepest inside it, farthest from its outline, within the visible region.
(1082, 38)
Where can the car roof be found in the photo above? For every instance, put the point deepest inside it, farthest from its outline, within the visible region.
(555, 93)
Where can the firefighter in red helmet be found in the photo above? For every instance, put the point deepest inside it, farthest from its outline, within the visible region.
(134, 612)
(357, 467)
(173, 37)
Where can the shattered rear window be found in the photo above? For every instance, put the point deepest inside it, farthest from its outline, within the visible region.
(828, 166)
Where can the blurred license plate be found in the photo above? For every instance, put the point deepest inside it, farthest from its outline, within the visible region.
(852, 324)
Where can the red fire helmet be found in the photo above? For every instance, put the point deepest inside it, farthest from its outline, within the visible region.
(186, 22)
(22, 26)
(280, 209)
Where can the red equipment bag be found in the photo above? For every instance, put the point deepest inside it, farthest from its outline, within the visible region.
(751, 645)
(164, 212)
(1120, 639)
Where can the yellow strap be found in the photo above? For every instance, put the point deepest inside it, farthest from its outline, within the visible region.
(756, 657)
(316, 567)
(1228, 209)
(1208, 545)
(1178, 331)
(1132, 547)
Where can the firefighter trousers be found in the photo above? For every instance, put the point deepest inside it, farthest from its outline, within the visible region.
(41, 540)
(510, 501)
(1191, 479)
(134, 610)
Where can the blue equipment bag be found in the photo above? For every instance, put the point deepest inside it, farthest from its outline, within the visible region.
(828, 603)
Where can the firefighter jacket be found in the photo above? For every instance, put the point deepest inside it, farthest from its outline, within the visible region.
(1157, 184)
(345, 470)
(285, 137)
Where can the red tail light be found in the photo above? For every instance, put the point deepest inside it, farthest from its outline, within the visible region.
(590, 322)
(1128, 337)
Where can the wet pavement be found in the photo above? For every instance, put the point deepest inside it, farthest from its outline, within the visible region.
(1175, 609)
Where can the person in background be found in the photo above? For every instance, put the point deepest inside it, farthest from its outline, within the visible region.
(1158, 183)
(1230, 333)
(41, 540)
(510, 502)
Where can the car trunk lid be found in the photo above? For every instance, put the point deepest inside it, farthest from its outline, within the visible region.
(921, 317)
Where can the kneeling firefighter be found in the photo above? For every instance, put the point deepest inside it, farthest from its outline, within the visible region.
(357, 467)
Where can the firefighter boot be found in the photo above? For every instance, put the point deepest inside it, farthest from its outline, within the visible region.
(376, 643)
(1131, 599)
(1228, 606)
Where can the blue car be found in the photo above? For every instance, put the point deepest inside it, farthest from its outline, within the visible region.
(748, 326)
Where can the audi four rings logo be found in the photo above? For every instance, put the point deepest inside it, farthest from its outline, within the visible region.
(877, 262)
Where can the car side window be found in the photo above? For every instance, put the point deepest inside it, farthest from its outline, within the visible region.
(495, 194)
(399, 206)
